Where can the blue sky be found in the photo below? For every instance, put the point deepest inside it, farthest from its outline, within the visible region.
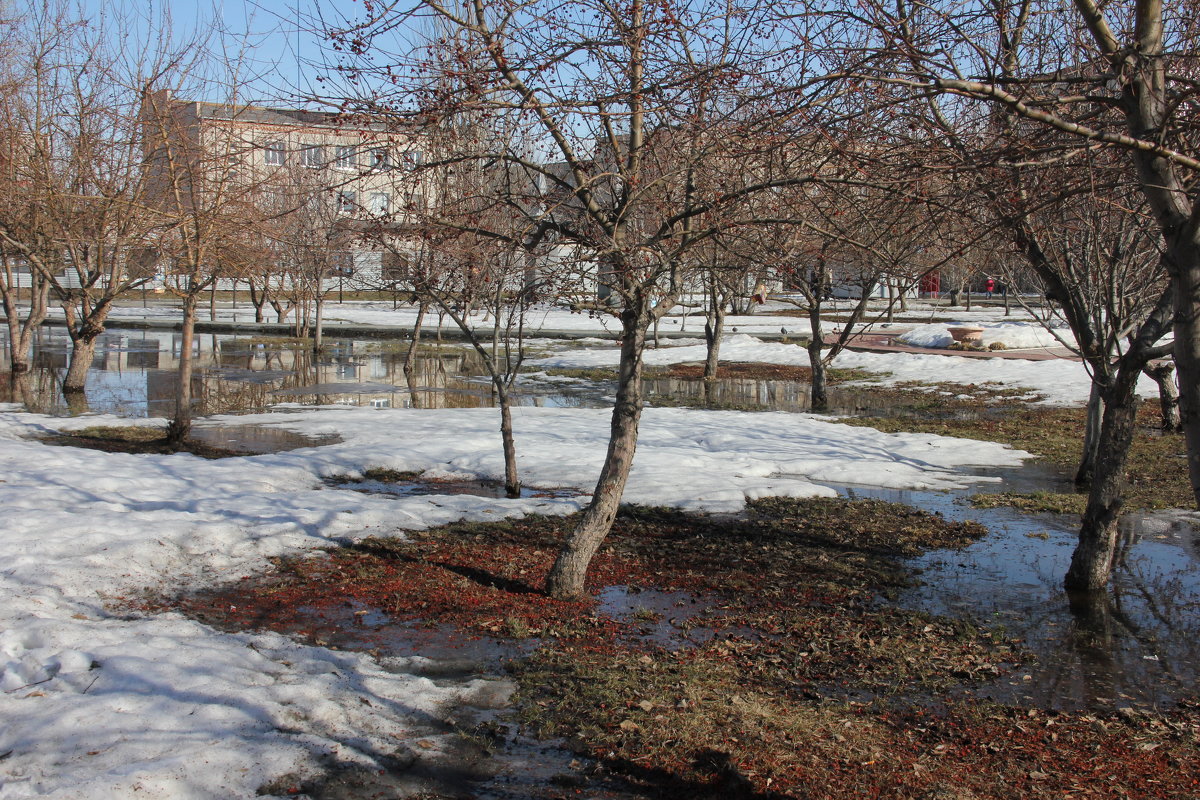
(274, 41)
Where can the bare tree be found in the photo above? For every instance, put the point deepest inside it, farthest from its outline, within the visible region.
(1117, 76)
(210, 200)
(1067, 213)
(657, 124)
(450, 264)
(78, 218)
(23, 219)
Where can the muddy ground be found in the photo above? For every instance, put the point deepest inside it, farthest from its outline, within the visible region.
(753, 657)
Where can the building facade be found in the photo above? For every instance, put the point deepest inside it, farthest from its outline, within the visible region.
(336, 184)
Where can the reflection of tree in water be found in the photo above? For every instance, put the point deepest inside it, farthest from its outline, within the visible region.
(776, 395)
(1137, 641)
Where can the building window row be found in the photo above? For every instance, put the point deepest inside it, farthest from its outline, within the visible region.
(377, 203)
(346, 157)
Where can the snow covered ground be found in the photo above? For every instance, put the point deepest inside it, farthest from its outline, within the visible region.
(1056, 381)
(99, 703)
(1013, 335)
(765, 319)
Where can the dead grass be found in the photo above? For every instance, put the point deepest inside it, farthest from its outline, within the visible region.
(1156, 474)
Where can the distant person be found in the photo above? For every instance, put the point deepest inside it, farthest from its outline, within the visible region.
(990, 286)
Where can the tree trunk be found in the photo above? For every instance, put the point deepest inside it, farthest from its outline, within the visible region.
(1091, 438)
(410, 357)
(318, 327)
(77, 402)
(84, 330)
(512, 482)
(212, 302)
(818, 388)
(566, 578)
(258, 300)
(1168, 395)
(21, 331)
(83, 351)
(1092, 561)
(1187, 360)
(714, 325)
(20, 389)
(181, 425)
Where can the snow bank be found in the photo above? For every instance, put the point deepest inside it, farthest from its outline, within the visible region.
(1056, 381)
(1013, 335)
(100, 704)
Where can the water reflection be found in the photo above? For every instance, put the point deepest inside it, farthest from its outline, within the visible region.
(1138, 644)
(134, 374)
(756, 394)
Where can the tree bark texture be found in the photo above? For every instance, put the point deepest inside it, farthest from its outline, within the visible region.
(21, 331)
(1187, 360)
(1091, 438)
(714, 325)
(512, 480)
(410, 358)
(181, 424)
(318, 329)
(1168, 395)
(818, 386)
(566, 579)
(83, 351)
(1092, 561)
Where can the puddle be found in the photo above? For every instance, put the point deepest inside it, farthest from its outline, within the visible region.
(670, 620)
(436, 651)
(257, 439)
(1140, 646)
(480, 751)
(792, 395)
(417, 487)
(481, 754)
(134, 374)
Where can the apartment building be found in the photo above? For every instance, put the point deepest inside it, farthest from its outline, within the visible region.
(347, 181)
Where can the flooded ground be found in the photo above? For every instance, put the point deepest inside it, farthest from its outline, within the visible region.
(753, 394)
(135, 374)
(256, 439)
(1136, 645)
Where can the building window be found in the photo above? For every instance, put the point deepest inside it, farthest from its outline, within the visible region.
(312, 155)
(381, 159)
(345, 157)
(347, 201)
(275, 154)
(343, 264)
(413, 158)
(381, 203)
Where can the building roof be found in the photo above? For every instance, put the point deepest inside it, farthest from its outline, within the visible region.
(283, 116)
